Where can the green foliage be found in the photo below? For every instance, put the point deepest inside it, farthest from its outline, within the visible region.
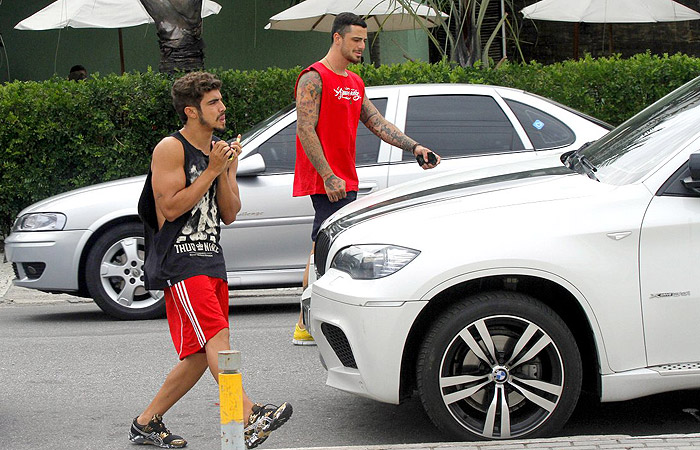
(59, 135)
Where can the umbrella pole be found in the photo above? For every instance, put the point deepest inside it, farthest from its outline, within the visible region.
(576, 41)
(121, 50)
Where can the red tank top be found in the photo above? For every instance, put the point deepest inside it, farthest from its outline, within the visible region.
(341, 103)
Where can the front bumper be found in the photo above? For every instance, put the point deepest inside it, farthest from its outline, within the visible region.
(47, 260)
(362, 346)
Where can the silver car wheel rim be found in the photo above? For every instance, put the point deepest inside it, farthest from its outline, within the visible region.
(121, 275)
(501, 377)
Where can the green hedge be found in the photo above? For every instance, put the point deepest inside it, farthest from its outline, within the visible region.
(58, 135)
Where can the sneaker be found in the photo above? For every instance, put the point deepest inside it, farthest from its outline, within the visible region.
(302, 337)
(263, 421)
(155, 433)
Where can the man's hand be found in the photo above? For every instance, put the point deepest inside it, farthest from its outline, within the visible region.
(219, 156)
(335, 188)
(424, 151)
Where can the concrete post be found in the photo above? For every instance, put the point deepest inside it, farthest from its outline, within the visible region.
(231, 400)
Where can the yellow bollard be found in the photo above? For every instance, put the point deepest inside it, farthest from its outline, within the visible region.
(231, 400)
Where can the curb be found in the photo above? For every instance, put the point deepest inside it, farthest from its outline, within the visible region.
(606, 442)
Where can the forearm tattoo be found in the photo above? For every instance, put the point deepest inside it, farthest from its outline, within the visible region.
(308, 107)
(385, 130)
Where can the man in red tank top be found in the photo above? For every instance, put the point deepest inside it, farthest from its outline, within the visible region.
(330, 101)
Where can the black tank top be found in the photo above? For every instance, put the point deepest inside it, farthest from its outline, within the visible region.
(188, 246)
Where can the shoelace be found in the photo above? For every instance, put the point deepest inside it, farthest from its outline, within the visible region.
(262, 416)
(159, 427)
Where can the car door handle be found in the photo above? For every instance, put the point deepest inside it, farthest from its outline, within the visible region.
(366, 188)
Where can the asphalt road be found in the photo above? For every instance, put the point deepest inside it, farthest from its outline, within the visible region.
(71, 378)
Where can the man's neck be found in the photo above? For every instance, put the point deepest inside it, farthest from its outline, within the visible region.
(336, 62)
(198, 136)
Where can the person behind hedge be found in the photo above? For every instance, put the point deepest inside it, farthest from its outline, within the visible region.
(191, 188)
(330, 101)
(77, 73)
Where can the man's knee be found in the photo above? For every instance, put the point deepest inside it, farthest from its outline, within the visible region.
(219, 338)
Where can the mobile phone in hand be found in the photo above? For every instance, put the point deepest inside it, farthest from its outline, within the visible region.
(432, 159)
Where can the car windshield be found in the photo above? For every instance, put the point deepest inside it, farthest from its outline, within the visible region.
(264, 124)
(630, 151)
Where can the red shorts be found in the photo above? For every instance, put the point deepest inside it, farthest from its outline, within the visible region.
(197, 309)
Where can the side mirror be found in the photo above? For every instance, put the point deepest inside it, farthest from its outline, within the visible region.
(251, 166)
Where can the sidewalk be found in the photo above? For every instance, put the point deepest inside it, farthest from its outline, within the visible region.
(611, 442)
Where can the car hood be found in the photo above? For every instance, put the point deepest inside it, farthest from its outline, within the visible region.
(458, 185)
(83, 206)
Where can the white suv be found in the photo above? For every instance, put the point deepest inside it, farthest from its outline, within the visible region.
(499, 294)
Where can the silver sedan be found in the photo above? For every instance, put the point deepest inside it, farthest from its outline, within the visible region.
(89, 242)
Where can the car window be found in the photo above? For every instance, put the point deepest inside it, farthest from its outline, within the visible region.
(543, 130)
(279, 152)
(460, 125)
(674, 186)
(367, 143)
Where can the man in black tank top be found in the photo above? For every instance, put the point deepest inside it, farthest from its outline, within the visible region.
(191, 188)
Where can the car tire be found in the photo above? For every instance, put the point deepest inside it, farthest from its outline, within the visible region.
(499, 365)
(114, 275)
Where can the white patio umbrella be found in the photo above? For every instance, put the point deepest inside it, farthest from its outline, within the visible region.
(608, 11)
(97, 14)
(387, 15)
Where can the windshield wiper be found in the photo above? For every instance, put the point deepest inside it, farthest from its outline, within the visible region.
(578, 162)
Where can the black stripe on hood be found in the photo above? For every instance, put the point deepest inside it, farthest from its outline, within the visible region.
(422, 197)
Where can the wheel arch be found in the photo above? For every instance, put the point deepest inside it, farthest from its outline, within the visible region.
(554, 295)
(82, 284)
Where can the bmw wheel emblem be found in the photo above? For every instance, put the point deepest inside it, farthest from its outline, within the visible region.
(500, 375)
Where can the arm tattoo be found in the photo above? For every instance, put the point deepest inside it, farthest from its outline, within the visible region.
(385, 130)
(308, 107)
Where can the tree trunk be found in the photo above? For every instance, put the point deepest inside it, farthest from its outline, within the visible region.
(374, 48)
(179, 29)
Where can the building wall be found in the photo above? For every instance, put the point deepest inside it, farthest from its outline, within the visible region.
(235, 39)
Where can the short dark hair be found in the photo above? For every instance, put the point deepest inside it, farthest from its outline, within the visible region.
(189, 90)
(77, 72)
(343, 21)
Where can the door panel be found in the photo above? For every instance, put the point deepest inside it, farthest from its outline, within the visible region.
(273, 230)
(670, 287)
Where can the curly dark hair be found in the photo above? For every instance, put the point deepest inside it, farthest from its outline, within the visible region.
(189, 90)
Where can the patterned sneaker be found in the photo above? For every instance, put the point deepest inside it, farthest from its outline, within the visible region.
(155, 433)
(302, 337)
(263, 421)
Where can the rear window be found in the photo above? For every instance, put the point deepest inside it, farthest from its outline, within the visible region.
(460, 125)
(544, 130)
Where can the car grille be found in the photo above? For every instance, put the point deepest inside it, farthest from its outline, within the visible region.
(323, 245)
(339, 343)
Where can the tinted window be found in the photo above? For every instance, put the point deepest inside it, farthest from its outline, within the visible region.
(279, 152)
(460, 125)
(674, 186)
(543, 130)
(367, 143)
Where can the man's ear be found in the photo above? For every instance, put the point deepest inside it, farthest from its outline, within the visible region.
(191, 112)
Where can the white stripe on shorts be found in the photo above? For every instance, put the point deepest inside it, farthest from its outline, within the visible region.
(184, 299)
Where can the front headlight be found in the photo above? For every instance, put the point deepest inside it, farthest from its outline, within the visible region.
(40, 222)
(369, 262)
